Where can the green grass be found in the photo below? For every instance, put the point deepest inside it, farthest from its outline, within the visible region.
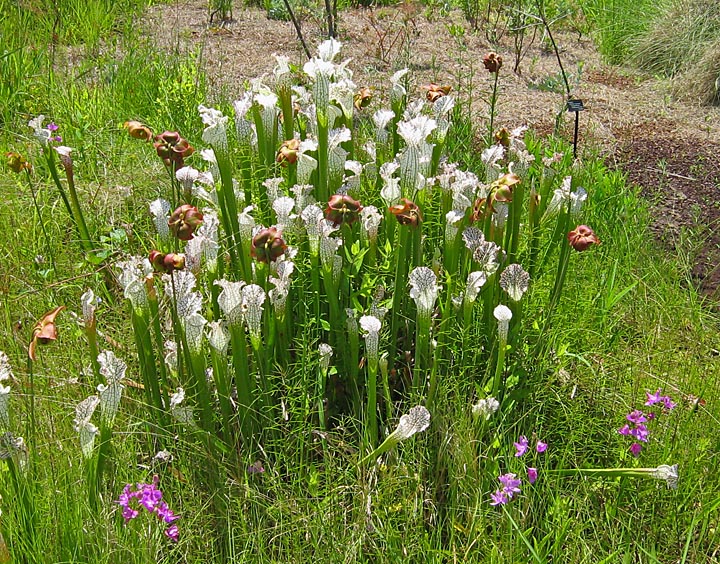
(628, 321)
(616, 24)
(669, 38)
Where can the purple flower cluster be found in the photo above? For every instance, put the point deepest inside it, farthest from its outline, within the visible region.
(510, 486)
(637, 429)
(52, 128)
(510, 483)
(149, 497)
(522, 446)
(657, 397)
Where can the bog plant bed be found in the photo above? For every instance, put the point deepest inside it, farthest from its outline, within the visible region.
(297, 329)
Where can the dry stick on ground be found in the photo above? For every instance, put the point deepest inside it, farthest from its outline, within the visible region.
(297, 28)
(674, 175)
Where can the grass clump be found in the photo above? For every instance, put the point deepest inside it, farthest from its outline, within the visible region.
(677, 37)
(616, 23)
(674, 39)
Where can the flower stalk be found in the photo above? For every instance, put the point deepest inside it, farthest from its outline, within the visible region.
(415, 421)
(664, 472)
(73, 204)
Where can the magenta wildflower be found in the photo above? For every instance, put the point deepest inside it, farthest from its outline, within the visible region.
(657, 397)
(541, 446)
(636, 417)
(532, 475)
(668, 404)
(637, 428)
(499, 498)
(165, 513)
(652, 399)
(149, 497)
(510, 484)
(640, 433)
(521, 446)
(172, 533)
(52, 128)
(256, 468)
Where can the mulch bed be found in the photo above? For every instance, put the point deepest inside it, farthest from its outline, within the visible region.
(680, 175)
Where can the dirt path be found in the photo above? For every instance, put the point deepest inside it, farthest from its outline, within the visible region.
(669, 148)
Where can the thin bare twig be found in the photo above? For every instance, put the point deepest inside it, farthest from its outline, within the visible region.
(297, 28)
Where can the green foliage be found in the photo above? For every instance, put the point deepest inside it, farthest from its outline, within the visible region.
(677, 37)
(627, 321)
(36, 37)
(220, 10)
(616, 23)
(669, 38)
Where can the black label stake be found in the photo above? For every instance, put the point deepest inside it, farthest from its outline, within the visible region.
(575, 105)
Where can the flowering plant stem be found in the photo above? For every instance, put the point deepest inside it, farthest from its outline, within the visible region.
(73, 204)
(96, 465)
(493, 103)
(222, 383)
(611, 472)
(32, 429)
(563, 261)
(159, 343)
(336, 318)
(285, 97)
(400, 289)
(524, 538)
(371, 430)
(46, 238)
(26, 514)
(322, 158)
(390, 442)
(432, 390)
(198, 384)
(513, 229)
(91, 334)
(386, 388)
(668, 474)
(228, 213)
(146, 356)
(243, 382)
(263, 400)
(422, 340)
(499, 369)
(533, 232)
(320, 400)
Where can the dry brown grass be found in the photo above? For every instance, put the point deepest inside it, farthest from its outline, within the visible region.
(701, 83)
(684, 43)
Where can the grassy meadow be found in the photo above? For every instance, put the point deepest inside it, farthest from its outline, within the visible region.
(292, 328)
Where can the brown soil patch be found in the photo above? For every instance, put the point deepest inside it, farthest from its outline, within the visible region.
(668, 148)
(682, 178)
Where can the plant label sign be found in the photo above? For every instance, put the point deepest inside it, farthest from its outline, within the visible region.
(575, 105)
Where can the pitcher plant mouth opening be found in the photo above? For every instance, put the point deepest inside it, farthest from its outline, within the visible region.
(44, 332)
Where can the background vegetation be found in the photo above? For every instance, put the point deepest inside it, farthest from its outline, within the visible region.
(629, 322)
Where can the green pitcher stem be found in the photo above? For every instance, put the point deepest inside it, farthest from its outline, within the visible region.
(499, 368)
(372, 429)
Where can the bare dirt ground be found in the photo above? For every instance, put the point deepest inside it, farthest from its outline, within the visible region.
(671, 149)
